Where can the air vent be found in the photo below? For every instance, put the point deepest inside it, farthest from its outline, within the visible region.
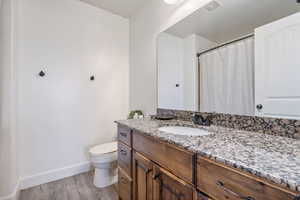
(213, 5)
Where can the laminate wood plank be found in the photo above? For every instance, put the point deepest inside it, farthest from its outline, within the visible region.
(78, 187)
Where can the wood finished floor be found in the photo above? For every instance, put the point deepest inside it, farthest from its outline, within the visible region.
(78, 187)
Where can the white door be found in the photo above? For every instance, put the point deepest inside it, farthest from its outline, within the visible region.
(277, 68)
(169, 61)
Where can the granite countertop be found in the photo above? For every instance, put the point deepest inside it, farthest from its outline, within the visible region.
(274, 158)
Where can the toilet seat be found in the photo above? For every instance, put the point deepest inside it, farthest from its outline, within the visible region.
(104, 149)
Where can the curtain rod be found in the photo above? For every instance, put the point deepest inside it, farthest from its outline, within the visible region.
(224, 44)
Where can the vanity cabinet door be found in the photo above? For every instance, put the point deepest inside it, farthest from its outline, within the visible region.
(169, 187)
(201, 196)
(142, 178)
(125, 186)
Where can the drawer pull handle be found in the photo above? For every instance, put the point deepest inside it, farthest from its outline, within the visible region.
(222, 185)
(123, 134)
(156, 176)
(123, 152)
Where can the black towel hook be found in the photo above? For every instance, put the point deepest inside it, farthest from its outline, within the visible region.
(42, 73)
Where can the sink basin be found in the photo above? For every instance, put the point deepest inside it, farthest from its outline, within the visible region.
(181, 130)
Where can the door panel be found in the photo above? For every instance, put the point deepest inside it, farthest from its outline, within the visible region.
(142, 177)
(125, 186)
(201, 196)
(170, 71)
(169, 187)
(277, 68)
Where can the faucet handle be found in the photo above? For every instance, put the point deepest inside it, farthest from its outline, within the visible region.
(200, 120)
(196, 118)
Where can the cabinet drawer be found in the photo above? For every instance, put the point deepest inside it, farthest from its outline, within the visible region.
(177, 161)
(124, 134)
(125, 186)
(224, 183)
(124, 157)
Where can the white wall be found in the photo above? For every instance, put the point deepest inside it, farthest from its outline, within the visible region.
(63, 114)
(8, 148)
(203, 44)
(170, 71)
(145, 26)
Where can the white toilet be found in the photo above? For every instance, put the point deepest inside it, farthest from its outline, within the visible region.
(104, 159)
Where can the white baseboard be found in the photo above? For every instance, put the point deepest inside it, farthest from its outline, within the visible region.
(14, 195)
(53, 175)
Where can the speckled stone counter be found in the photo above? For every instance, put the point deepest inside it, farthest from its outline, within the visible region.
(271, 126)
(274, 158)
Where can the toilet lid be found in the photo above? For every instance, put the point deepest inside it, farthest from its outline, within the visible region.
(104, 148)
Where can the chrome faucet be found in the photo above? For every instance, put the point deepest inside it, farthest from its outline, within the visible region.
(200, 120)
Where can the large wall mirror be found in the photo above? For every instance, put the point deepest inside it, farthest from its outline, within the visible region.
(235, 57)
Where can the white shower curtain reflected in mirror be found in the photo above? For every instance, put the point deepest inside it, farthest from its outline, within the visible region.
(227, 79)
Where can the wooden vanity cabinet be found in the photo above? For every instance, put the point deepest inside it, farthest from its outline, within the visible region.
(125, 186)
(151, 182)
(142, 177)
(157, 171)
(201, 196)
(125, 182)
(125, 158)
(176, 160)
(223, 183)
(124, 135)
(168, 187)
(150, 169)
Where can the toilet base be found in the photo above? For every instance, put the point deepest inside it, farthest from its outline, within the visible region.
(105, 177)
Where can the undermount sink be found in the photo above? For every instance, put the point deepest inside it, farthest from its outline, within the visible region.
(181, 130)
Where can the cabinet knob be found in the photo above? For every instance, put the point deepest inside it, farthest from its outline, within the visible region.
(259, 107)
(123, 152)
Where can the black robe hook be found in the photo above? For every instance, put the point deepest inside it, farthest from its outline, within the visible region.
(42, 73)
